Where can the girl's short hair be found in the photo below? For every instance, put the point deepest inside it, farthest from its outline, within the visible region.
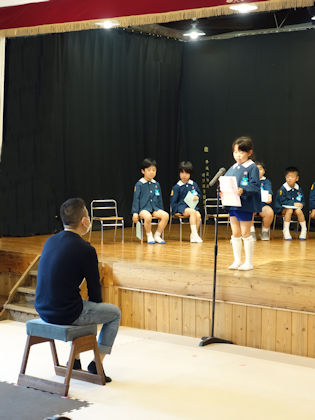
(260, 164)
(185, 166)
(147, 162)
(245, 144)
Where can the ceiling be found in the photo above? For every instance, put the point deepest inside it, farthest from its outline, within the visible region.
(237, 24)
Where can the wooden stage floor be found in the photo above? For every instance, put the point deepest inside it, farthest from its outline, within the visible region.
(283, 275)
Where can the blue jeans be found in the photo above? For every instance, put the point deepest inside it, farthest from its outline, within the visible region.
(101, 313)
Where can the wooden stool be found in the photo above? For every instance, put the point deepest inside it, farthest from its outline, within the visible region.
(83, 339)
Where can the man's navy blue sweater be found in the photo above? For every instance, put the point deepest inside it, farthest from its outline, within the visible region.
(65, 261)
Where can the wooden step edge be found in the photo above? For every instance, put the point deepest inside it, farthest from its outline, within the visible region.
(33, 273)
(20, 308)
(27, 290)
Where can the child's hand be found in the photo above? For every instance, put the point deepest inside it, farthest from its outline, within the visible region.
(240, 191)
(195, 198)
(269, 199)
(135, 217)
(313, 213)
(298, 205)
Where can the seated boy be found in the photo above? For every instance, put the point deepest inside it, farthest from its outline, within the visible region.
(178, 195)
(312, 201)
(147, 202)
(290, 200)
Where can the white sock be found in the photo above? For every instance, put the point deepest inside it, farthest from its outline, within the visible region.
(158, 239)
(303, 227)
(237, 252)
(286, 230)
(150, 237)
(252, 228)
(193, 229)
(249, 248)
(263, 229)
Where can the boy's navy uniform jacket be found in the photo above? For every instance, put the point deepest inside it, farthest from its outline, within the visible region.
(147, 196)
(247, 177)
(179, 192)
(287, 196)
(312, 197)
(265, 184)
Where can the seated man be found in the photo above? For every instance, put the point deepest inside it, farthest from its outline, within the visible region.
(65, 261)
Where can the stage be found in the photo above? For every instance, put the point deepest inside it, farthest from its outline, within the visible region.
(168, 287)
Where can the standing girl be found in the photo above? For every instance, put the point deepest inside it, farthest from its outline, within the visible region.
(247, 178)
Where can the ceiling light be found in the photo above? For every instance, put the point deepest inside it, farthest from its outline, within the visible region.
(108, 24)
(194, 33)
(244, 7)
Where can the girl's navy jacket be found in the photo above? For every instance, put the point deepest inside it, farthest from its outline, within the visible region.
(178, 194)
(147, 196)
(247, 177)
(312, 197)
(287, 196)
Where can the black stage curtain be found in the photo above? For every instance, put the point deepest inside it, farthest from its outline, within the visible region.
(260, 86)
(82, 110)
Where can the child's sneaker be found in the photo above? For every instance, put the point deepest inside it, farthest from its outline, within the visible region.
(150, 239)
(195, 238)
(287, 236)
(265, 235)
(158, 239)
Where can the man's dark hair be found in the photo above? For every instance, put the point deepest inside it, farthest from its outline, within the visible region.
(292, 169)
(147, 162)
(185, 166)
(72, 211)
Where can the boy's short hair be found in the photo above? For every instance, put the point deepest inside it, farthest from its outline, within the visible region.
(292, 169)
(185, 166)
(245, 144)
(147, 162)
(72, 211)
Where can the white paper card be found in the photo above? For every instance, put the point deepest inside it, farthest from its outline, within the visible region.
(264, 195)
(290, 207)
(189, 200)
(228, 187)
(138, 231)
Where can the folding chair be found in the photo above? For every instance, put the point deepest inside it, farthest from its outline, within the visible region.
(155, 221)
(105, 212)
(309, 221)
(210, 207)
(182, 221)
(278, 216)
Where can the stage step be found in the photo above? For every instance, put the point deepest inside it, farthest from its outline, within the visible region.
(20, 303)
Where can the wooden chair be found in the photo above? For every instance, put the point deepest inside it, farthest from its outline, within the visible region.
(210, 207)
(105, 212)
(83, 339)
(182, 221)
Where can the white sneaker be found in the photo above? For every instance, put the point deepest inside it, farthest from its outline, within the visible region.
(302, 236)
(245, 267)
(158, 239)
(195, 238)
(150, 239)
(234, 266)
(287, 236)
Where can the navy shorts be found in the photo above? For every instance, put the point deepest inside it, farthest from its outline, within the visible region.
(242, 216)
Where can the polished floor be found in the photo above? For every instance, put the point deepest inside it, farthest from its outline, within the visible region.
(161, 376)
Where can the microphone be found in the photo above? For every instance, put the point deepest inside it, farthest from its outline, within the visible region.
(217, 176)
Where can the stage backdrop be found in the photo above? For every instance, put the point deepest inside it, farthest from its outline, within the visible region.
(83, 109)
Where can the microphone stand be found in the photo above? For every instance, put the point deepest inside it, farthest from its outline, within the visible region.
(212, 339)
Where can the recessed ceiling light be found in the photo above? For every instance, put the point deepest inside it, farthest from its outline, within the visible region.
(108, 24)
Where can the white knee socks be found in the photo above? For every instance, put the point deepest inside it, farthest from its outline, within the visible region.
(249, 248)
(237, 252)
(286, 231)
(194, 237)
